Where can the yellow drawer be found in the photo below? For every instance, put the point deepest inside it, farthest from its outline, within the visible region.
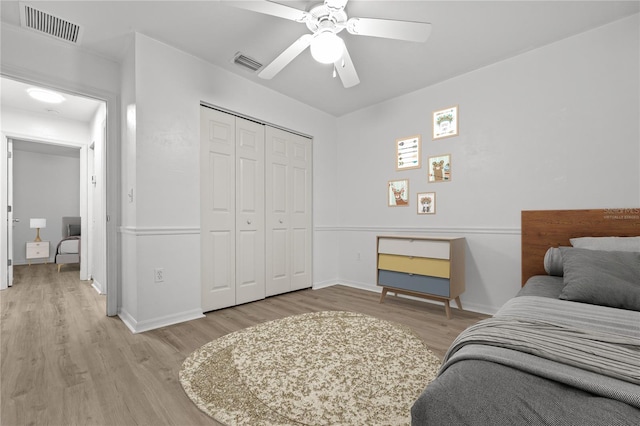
(414, 265)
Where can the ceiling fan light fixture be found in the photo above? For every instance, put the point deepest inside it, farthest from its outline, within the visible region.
(327, 47)
(45, 95)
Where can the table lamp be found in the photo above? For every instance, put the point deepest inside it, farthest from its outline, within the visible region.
(38, 223)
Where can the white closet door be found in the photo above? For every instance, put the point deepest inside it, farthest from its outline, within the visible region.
(288, 211)
(250, 235)
(301, 218)
(217, 209)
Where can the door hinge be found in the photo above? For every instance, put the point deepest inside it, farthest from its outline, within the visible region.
(8, 209)
(108, 218)
(9, 154)
(9, 262)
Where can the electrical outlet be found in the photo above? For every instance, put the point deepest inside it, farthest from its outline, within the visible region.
(158, 275)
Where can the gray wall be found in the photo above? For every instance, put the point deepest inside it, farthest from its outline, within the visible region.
(45, 186)
(554, 128)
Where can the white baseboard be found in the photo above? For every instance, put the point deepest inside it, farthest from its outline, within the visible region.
(147, 325)
(98, 287)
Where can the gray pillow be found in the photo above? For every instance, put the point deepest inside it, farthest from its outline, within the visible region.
(553, 262)
(74, 230)
(607, 278)
(607, 243)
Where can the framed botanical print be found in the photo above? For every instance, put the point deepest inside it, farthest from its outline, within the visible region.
(445, 123)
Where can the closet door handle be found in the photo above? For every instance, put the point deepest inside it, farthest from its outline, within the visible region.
(280, 221)
(248, 222)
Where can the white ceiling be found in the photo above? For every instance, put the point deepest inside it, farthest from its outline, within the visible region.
(15, 96)
(466, 35)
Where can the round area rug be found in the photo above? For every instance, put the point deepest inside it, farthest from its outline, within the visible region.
(323, 368)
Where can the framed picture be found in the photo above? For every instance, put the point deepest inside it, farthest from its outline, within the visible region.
(408, 153)
(445, 123)
(439, 168)
(426, 203)
(398, 193)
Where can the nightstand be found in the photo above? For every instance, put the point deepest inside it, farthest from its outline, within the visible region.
(38, 250)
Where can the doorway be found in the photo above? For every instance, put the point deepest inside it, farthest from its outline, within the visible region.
(81, 126)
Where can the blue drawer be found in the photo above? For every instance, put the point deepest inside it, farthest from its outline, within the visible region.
(419, 283)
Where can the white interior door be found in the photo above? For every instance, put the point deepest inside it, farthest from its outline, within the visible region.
(288, 211)
(10, 222)
(84, 214)
(217, 209)
(278, 212)
(301, 217)
(250, 235)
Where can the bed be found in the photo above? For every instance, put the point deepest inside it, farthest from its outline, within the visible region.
(68, 249)
(566, 349)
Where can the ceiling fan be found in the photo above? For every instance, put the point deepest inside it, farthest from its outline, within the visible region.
(325, 21)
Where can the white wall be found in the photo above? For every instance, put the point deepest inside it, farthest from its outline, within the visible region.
(43, 127)
(45, 186)
(161, 226)
(555, 128)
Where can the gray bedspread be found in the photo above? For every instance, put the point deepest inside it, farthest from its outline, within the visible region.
(593, 338)
(499, 373)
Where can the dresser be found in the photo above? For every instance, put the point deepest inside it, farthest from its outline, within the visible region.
(38, 250)
(428, 267)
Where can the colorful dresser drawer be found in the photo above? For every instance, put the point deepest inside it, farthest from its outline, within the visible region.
(418, 283)
(422, 266)
(414, 265)
(437, 249)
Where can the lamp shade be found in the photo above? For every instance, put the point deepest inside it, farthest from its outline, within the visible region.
(38, 223)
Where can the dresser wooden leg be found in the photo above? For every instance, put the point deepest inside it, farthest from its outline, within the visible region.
(459, 303)
(384, 293)
(447, 309)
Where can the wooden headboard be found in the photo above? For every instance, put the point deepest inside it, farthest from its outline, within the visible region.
(542, 229)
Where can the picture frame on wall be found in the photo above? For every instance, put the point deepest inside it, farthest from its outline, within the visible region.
(398, 193)
(445, 123)
(439, 168)
(408, 153)
(426, 202)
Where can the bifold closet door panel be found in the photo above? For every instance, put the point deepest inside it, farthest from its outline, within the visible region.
(217, 209)
(278, 212)
(301, 214)
(288, 211)
(250, 211)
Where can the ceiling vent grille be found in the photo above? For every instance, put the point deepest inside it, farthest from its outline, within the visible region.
(48, 24)
(246, 62)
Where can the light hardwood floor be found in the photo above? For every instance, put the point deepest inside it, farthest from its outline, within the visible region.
(63, 362)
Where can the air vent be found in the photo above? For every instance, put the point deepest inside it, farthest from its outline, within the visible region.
(246, 62)
(48, 24)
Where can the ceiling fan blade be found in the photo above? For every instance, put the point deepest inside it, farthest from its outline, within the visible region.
(346, 70)
(285, 57)
(387, 28)
(271, 8)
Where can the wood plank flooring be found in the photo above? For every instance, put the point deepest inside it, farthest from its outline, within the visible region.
(63, 362)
